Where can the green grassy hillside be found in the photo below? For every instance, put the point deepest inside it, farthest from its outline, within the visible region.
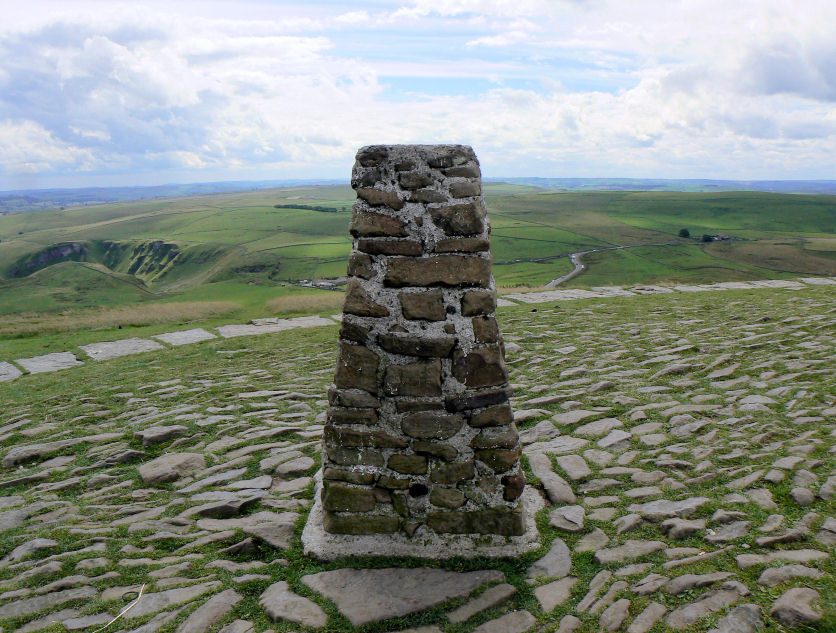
(249, 248)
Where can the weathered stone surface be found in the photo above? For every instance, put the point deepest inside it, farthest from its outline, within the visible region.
(645, 620)
(427, 305)
(447, 498)
(502, 521)
(377, 197)
(558, 491)
(630, 549)
(359, 302)
(408, 464)
(27, 606)
(499, 460)
(705, 605)
(417, 345)
(124, 347)
(360, 523)
(459, 218)
(499, 415)
(557, 563)
(797, 606)
(554, 593)
(384, 246)
(462, 245)
(8, 372)
(614, 616)
(438, 270)
(340, 497)
(361, 265)
(49, 362)
(171, 466)
(357, 368)
(514, 622)
(745, 618)
(213, 610)
(368, 224)
(282, 604)
(421, 378)
(777, 575)
(370, 595)
(481, 367)
(153, 602)
(157, 434)
(431, 425)
(489, 598)
(350, 438)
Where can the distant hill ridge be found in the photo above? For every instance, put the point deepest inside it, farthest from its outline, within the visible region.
(28, 199)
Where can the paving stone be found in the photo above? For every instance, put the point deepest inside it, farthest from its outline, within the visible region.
(777, 575)
(686, 582)
(489, 598)
(645, 620)
(210, 612)
(744, 618)
(27, 606)
(574, 466)
(554, 593)
(708, 603)
(8, 372)
(557, 563)
(171, 466)
(631, 548)
(514, 622)
(797, 606)
(124, 347)
(157, 601)
(185, 337)
(593, 541)
(280, 603)
(568, 518)
(558, 491)
(49, 362)
(370, 595)
(614, 616)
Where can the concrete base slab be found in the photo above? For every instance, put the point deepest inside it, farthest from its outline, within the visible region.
(318, 543)
(122, 347)
(8, 372)
(48, 362)
(185, 337)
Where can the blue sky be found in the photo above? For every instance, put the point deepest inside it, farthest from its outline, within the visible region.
(101, 92)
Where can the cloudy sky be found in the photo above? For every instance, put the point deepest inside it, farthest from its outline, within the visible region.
(102, 92)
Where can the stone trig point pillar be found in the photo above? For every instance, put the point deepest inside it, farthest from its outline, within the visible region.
(420, 452)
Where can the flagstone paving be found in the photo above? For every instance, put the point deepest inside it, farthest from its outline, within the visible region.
(685, 443)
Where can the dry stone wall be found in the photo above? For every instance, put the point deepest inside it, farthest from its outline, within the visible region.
(419, 429)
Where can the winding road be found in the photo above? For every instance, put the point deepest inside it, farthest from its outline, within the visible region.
(579, 267)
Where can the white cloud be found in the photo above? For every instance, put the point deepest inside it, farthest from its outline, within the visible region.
(653, 88)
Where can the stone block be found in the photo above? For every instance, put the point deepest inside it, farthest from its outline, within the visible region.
(381, 246)
(502, 521)
(348, 476)
(440, 450)
(496, 437)
(356, 368)
(477, 399)
(359, 524)
(459, 218)
(360, 303)
(361, 265)
(485, 329)
(427, 305)
(499, 460)
(465, 189)
(513, 486)
(368, 224)
(427, 195)
(498, 415)
(439, 270)
(342, 415)
(417, 344)
(351, 398)
(353, 457)
(413, 379)
(431, 425)
(415, 179)
(447, 498)
(372, 155)
(408, 464)
(378, 198)
(476, 302)
(353, 332)
(342, 497)
(351, 438)
(481, 367)
(452, 473)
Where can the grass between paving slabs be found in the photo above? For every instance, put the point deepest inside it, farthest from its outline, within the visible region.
(200, 375)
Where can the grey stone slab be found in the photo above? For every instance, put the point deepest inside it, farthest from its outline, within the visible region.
(49, 362)
(370, 595)
(153, 602)
(554, 593)
(248, 329)
(557, 563)
(185, 337)
(486, 600)
(19, 608)
(123, 347)
(211, 611)
(514, 622)
(8, 372)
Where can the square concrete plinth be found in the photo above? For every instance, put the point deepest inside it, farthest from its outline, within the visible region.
(425, 543)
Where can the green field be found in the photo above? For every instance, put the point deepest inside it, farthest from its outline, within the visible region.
(240, 248)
